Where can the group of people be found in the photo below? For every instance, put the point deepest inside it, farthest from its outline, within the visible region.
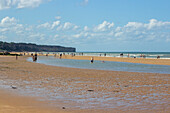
(34, 57)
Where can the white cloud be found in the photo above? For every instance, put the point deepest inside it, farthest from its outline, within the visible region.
(67, 32)
(56, 23)
(28, 3)
(2, 37)
(77, 35)
(156, 24)
(45, 25)
(84, 2)
(10, 25)
(67, 25)
(118, 34)
(75, 27)
(58, 17)
(134, 25)
(35, 36)
(5, 4)
(3, 30)
(86, 28)
(56, 35)
(104, 26)
(59, 28)
(48, 25)
(8, 21)
(154, 30)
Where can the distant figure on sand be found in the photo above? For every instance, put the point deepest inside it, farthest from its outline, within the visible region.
(34, 57)
(158, 57)
(16, 57)
(121, 54)
(60, 56)
(92, 60)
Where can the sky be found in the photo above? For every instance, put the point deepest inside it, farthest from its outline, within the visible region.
(88, 25)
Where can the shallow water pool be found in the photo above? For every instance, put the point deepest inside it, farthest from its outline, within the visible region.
(107, 65)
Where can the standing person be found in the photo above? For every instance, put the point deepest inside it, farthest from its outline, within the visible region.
(92, 60)
(60, 56)
(35, 56)
(121, 54)
(16, 57)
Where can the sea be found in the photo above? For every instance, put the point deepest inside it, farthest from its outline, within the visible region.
(109, 65)
(162, 55)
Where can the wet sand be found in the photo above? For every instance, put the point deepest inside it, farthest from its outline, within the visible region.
(79, 90)
(123, 59)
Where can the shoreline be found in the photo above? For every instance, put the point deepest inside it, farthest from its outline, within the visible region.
(140, 88)
(153, 61)
(122, 59)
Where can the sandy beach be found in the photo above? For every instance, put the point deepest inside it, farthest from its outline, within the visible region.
(123, 59)
(31, 87)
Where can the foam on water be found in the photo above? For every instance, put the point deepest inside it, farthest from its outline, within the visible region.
(117, 54)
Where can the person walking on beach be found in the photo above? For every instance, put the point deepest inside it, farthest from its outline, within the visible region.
(16, 57)
(92, 60)
(60, 56)
(121, 54)
(35, 56)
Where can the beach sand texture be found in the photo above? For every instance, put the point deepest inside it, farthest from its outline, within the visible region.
(80, 90)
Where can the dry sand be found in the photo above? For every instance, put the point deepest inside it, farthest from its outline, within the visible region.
(106, 91)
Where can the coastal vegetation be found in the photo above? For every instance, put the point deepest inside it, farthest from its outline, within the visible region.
(30, 47)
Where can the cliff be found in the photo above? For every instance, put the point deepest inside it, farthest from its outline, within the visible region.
(29, 47)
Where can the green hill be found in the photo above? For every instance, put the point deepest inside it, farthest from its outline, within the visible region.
(29, 47)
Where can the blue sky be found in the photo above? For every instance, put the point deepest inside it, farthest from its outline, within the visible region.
(88, 25)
